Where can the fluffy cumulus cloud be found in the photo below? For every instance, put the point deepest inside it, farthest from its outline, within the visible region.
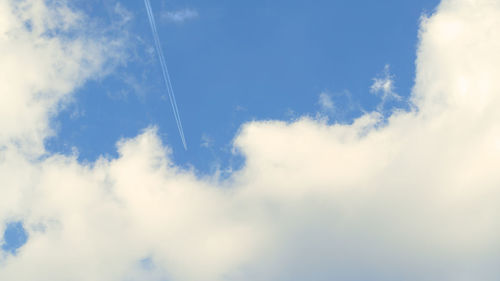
(412, 197)
(45, 53)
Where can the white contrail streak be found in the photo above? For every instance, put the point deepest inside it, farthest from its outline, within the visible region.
(166, 76)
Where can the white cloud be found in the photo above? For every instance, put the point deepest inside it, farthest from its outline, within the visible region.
(413, 198)
(41, 64)
(179, 16)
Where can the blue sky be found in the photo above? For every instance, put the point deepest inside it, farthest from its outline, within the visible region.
(235, 61)
(327, 140)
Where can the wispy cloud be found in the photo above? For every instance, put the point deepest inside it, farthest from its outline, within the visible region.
(384, 86)
(337, 105)
(206, 141)
(326, 102)
(179, 16)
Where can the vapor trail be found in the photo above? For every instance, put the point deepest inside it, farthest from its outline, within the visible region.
(166, 76)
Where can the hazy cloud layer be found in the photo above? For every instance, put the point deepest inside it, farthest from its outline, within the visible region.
(414, 197)
(179, 16)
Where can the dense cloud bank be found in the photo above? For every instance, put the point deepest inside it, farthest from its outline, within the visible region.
(413, 197)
